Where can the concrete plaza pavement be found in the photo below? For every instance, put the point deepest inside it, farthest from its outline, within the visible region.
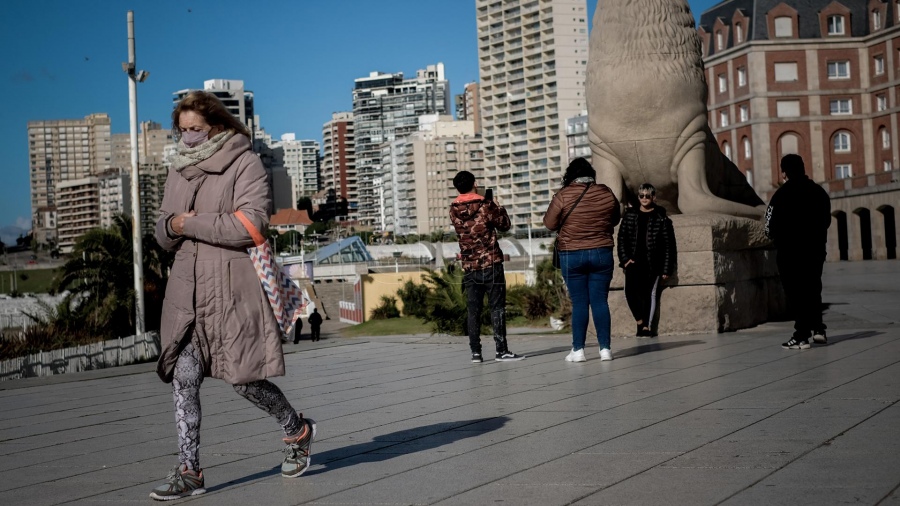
(693, 419)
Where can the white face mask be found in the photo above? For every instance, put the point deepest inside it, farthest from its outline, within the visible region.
(192, 138)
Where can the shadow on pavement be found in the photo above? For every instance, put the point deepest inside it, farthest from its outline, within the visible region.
(407, 441)
(426, 437)
(850, 337)
(651, 347)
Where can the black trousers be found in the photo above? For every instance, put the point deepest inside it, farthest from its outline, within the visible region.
(314, 332)
(641, 289)
(801, 277)
(490, 281)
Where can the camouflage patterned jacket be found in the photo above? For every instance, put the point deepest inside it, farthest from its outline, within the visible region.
(476, 223)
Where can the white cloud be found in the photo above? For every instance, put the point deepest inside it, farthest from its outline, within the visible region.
(23, 222)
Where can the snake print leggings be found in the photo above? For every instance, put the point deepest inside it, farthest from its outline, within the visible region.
(186, 391)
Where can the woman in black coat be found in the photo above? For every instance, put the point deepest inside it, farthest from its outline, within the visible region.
(647, 252)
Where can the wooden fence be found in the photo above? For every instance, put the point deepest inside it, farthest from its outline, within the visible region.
(112, 353)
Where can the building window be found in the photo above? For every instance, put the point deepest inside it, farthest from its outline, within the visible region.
(726, 149)
(723, 119)
(879, 65)
(787, 108)
(842, 142)
(888, 166)
(745, 113)
(843, 171)
(839, 69)
(786, 71)
(784, 27)
(835, 25)
(739, 33)
(881, 102)
(885, 139)
(720, 41)
(723, 83)
(876, 19)
(749, 174)
(841, 106)
(747, 152)
(742, 76)
(790, 144)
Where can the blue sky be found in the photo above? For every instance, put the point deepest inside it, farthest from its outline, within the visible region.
(61, 59)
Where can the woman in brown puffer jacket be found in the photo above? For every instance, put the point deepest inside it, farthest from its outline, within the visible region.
(585, 243)
(216, 318)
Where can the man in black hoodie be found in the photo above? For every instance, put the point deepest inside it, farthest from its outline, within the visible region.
(797, 221)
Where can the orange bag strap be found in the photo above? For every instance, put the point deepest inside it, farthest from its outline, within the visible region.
(254, 233)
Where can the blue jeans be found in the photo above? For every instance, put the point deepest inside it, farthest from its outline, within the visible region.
(587, 274)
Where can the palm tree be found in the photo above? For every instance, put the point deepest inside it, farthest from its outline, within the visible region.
(446, 301)
(100, 276)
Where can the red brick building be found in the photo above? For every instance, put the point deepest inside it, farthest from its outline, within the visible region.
(820, 78)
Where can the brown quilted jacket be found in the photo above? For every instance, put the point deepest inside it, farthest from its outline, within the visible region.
(476, 223)
(592, 222)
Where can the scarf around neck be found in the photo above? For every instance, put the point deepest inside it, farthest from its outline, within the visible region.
(191, 156)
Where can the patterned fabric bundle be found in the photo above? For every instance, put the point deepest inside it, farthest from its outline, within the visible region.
(285, 297)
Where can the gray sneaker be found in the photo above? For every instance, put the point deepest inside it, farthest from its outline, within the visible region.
(296, 453)
(180, 482)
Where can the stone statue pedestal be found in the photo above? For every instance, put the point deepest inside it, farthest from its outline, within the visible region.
(726, 279)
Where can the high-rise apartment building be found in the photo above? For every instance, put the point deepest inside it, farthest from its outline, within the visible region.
(467, 106)
(114, 193)
(339, 160)
(817, 78)
(237, 100)
(386, 107)
(77, 210)
(302, 163)
(417, 196)
(61, 151)
(577, 137)
(155, 141)
(532, 59)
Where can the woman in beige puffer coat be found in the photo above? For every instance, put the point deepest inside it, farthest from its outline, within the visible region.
(216, 318)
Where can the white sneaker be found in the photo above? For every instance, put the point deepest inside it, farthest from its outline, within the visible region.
(605, 354)
(576, 356)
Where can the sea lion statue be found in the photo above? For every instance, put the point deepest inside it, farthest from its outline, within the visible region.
(646, 99)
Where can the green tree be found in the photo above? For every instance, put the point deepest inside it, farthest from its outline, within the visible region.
(386, 309)
(415, 299)
(100, 278)
(446, 301)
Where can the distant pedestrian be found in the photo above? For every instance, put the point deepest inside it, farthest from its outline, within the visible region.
(589, 213)
(315, 325)
(477, 219)
(298, 330)
(216, 318)
(647, 254)
(797, 220)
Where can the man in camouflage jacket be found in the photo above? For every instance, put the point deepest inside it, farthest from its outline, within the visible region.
(477, 220)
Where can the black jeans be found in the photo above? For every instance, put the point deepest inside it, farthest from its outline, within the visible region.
(641, 288)
(314, 332)
(801, 277)
(490, 281)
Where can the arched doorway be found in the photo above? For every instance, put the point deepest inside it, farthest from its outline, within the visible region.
(865, 232)
(890, 231)
(843, 243)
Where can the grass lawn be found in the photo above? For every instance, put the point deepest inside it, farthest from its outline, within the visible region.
(37, 280)
(389, 327)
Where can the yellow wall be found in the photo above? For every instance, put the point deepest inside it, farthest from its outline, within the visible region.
(387, 283)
